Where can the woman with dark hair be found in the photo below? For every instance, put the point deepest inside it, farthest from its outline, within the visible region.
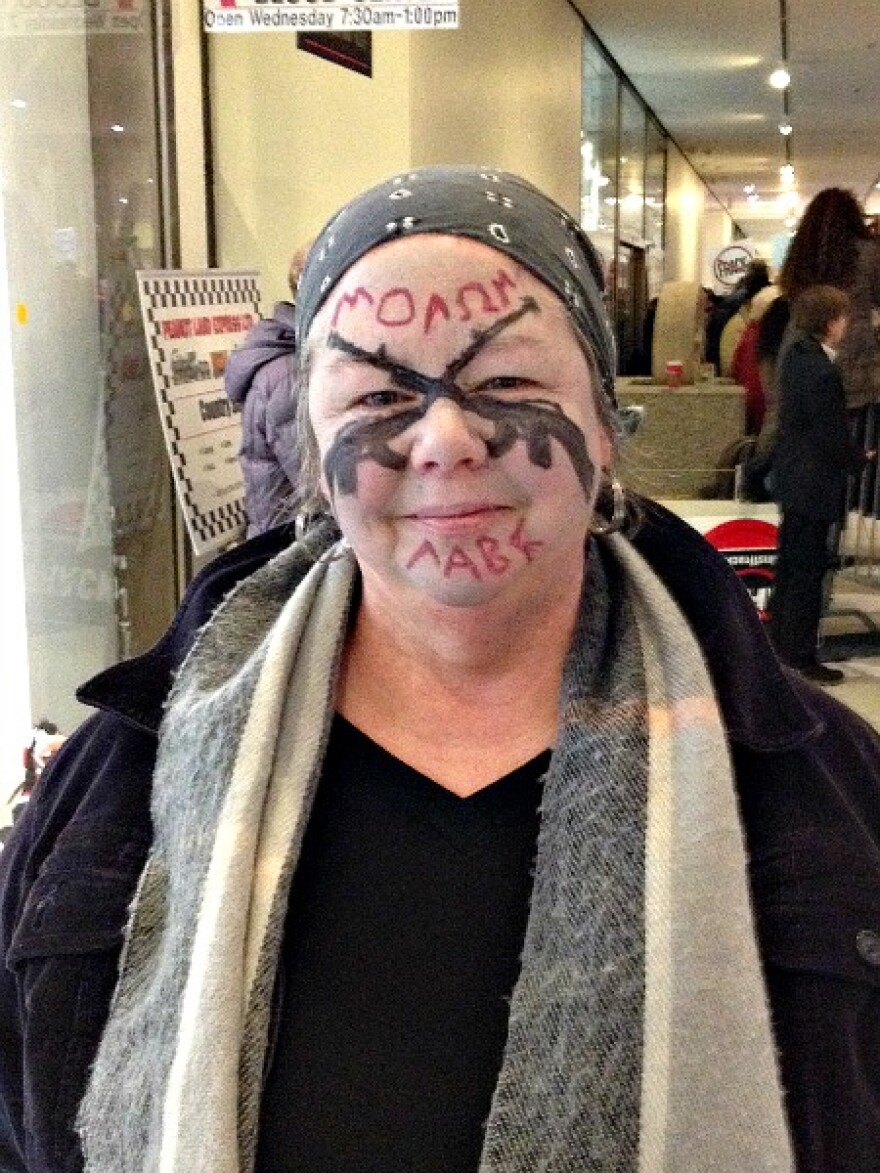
(833, 246)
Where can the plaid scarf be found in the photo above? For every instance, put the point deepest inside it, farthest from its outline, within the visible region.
(639, 1037)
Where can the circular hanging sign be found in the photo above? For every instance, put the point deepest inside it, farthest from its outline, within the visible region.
(731, 263)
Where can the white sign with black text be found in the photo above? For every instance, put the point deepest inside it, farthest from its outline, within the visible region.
(327, 16)
(723, 267)
(192, 321)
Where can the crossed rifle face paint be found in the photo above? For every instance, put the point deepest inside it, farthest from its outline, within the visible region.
(455, 418)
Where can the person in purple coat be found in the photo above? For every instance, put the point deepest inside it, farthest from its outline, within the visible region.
(261, 375)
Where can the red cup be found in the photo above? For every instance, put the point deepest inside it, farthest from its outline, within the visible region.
(674, 373)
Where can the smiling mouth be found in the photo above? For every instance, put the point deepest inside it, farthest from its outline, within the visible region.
(466, 509)
(463, 518)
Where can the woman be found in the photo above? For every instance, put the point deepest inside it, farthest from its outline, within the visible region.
(833, 246)
(436, 806)
(748, 367)
(260, 377)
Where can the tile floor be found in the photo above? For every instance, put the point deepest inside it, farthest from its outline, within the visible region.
(851, 632)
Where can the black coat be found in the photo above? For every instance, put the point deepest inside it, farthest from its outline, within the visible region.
(814, 454)
(808, 778)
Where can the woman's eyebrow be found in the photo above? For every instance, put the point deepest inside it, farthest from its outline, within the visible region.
(484, 337)
(414, 380)
(403, 375)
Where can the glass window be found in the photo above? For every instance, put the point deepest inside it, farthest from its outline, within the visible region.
(655, 198)
(631, 184)
(80, 213)
(599, 149)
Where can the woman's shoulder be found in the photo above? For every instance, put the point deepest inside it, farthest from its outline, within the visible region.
(867, 275)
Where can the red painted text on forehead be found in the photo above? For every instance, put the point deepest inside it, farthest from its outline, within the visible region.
(399, 305)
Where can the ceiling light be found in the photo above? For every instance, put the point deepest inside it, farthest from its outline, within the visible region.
(785, 128)
(117, 128)
(19, 103)
(786, 174)
(780, 78)
(749, 188)
(753, 198)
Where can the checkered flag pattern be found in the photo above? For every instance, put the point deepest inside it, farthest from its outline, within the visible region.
(211, 525)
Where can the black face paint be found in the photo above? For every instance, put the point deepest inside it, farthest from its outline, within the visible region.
(536, 421)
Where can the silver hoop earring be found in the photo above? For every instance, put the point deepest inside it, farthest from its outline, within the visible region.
(616, 521)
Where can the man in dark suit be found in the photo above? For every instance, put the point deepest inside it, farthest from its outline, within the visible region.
(814, 457)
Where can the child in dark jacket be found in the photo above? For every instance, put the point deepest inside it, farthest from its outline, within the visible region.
(814, 457)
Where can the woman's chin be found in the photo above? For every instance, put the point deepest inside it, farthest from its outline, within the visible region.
(456, 591)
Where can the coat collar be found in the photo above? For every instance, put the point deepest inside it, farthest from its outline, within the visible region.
(771, 712)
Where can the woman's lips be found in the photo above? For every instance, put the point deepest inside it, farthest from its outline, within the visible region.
(455, 520)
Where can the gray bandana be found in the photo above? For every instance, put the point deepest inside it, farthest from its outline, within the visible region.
(494, 207)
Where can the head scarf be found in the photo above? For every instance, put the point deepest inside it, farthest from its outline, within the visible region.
(494, 207)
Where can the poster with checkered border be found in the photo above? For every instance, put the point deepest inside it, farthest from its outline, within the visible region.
(192, 320)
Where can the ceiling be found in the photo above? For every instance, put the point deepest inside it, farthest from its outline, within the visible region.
(703, 69)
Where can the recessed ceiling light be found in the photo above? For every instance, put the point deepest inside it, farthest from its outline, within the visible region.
(780, 78)
(118, 128)
(749, 188)
(19, 103)
(785, 128)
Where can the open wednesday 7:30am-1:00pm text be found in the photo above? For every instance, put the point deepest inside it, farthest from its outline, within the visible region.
(326, 15)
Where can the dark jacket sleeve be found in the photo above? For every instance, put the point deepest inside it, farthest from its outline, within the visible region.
(812, 405)
(67, 875)
(268, 449)
(814, 451)
(813, 830)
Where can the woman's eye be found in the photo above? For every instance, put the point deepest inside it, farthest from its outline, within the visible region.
(387, 397)
(505, 383)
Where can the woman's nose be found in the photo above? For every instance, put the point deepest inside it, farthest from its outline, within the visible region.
(447, 436)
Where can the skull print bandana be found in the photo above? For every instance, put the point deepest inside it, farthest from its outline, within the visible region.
(494, 207)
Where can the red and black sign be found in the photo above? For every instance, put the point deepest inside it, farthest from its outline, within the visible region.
(750, 548)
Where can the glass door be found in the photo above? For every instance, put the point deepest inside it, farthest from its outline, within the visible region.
(80, 213)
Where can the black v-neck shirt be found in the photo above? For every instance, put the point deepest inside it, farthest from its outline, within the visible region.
(402, 944)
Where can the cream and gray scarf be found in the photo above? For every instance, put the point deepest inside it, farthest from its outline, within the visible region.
(639, 1037)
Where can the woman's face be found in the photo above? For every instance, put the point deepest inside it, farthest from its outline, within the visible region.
(454, 414)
